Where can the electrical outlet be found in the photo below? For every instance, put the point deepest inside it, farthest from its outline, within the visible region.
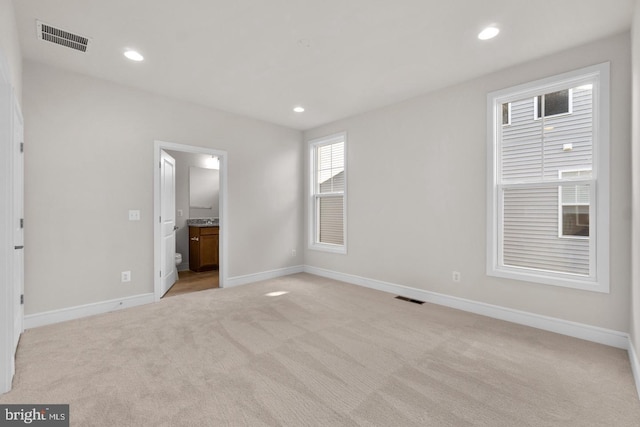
(456, 276)
(125, 276)
(293, 252)
(179, 212)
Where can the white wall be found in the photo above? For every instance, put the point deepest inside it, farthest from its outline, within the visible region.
(417, 194)
(635, 162)
(10, 45)
(89, 159)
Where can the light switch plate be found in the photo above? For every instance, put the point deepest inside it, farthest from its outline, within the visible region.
(134, 215)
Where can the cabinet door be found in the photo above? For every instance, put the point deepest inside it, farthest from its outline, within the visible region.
(194, 248)
(209, 251)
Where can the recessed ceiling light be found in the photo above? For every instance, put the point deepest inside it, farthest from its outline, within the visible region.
(133, 55)
(488, 33)
(298, 109)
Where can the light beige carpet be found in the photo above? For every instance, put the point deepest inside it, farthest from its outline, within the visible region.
(325, 354)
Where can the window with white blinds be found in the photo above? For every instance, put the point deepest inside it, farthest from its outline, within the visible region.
(548, 181)
(328, 193)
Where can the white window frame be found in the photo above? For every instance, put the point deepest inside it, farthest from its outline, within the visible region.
(598, 279)
(313, 211)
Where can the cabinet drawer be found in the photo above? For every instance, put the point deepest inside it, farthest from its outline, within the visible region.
(206, 231)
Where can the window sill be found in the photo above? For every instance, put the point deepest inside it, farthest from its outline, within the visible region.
(559, 279)
(324, 247)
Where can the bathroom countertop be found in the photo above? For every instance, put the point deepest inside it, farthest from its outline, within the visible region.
(203, 222)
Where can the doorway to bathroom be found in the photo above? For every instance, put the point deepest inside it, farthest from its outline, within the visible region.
(190, 236)
(193, 281)
(197, 213)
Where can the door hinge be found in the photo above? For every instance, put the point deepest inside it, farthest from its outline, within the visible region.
(21, 299)
(22, 147)
(160, 273)
(160, 219)
(160, 165)
(21, 222)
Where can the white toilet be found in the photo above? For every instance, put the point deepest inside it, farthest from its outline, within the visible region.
(178, 262)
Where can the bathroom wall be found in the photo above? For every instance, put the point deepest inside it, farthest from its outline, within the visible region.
(204, 192)
(184, 162)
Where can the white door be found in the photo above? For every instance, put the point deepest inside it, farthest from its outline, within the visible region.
(11, 236)
(18, 224)
(167, 221)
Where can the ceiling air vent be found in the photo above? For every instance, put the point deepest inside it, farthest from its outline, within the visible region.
(64, 38)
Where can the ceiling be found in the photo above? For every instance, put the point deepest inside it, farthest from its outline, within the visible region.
(337, 58)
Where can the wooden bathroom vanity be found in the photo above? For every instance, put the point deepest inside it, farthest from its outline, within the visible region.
(203, 247)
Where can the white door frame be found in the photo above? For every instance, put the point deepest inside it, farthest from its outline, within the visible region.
(158, 146)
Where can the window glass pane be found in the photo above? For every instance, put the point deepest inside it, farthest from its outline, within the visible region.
(505, 114)
(576, 174)
(575, 220)
(331, 213)
(575, 194)
(330, 172)
(521, 144)
(530, 233)
(535, 150)
(575, 201)
(554, 103)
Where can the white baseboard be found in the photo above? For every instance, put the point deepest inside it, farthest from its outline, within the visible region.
(77, 312)
(71, 313)
(578, 330)
(635, 365)
(265, 275)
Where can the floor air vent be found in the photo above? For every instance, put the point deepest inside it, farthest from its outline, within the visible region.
(415, 301)
(55, 35)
